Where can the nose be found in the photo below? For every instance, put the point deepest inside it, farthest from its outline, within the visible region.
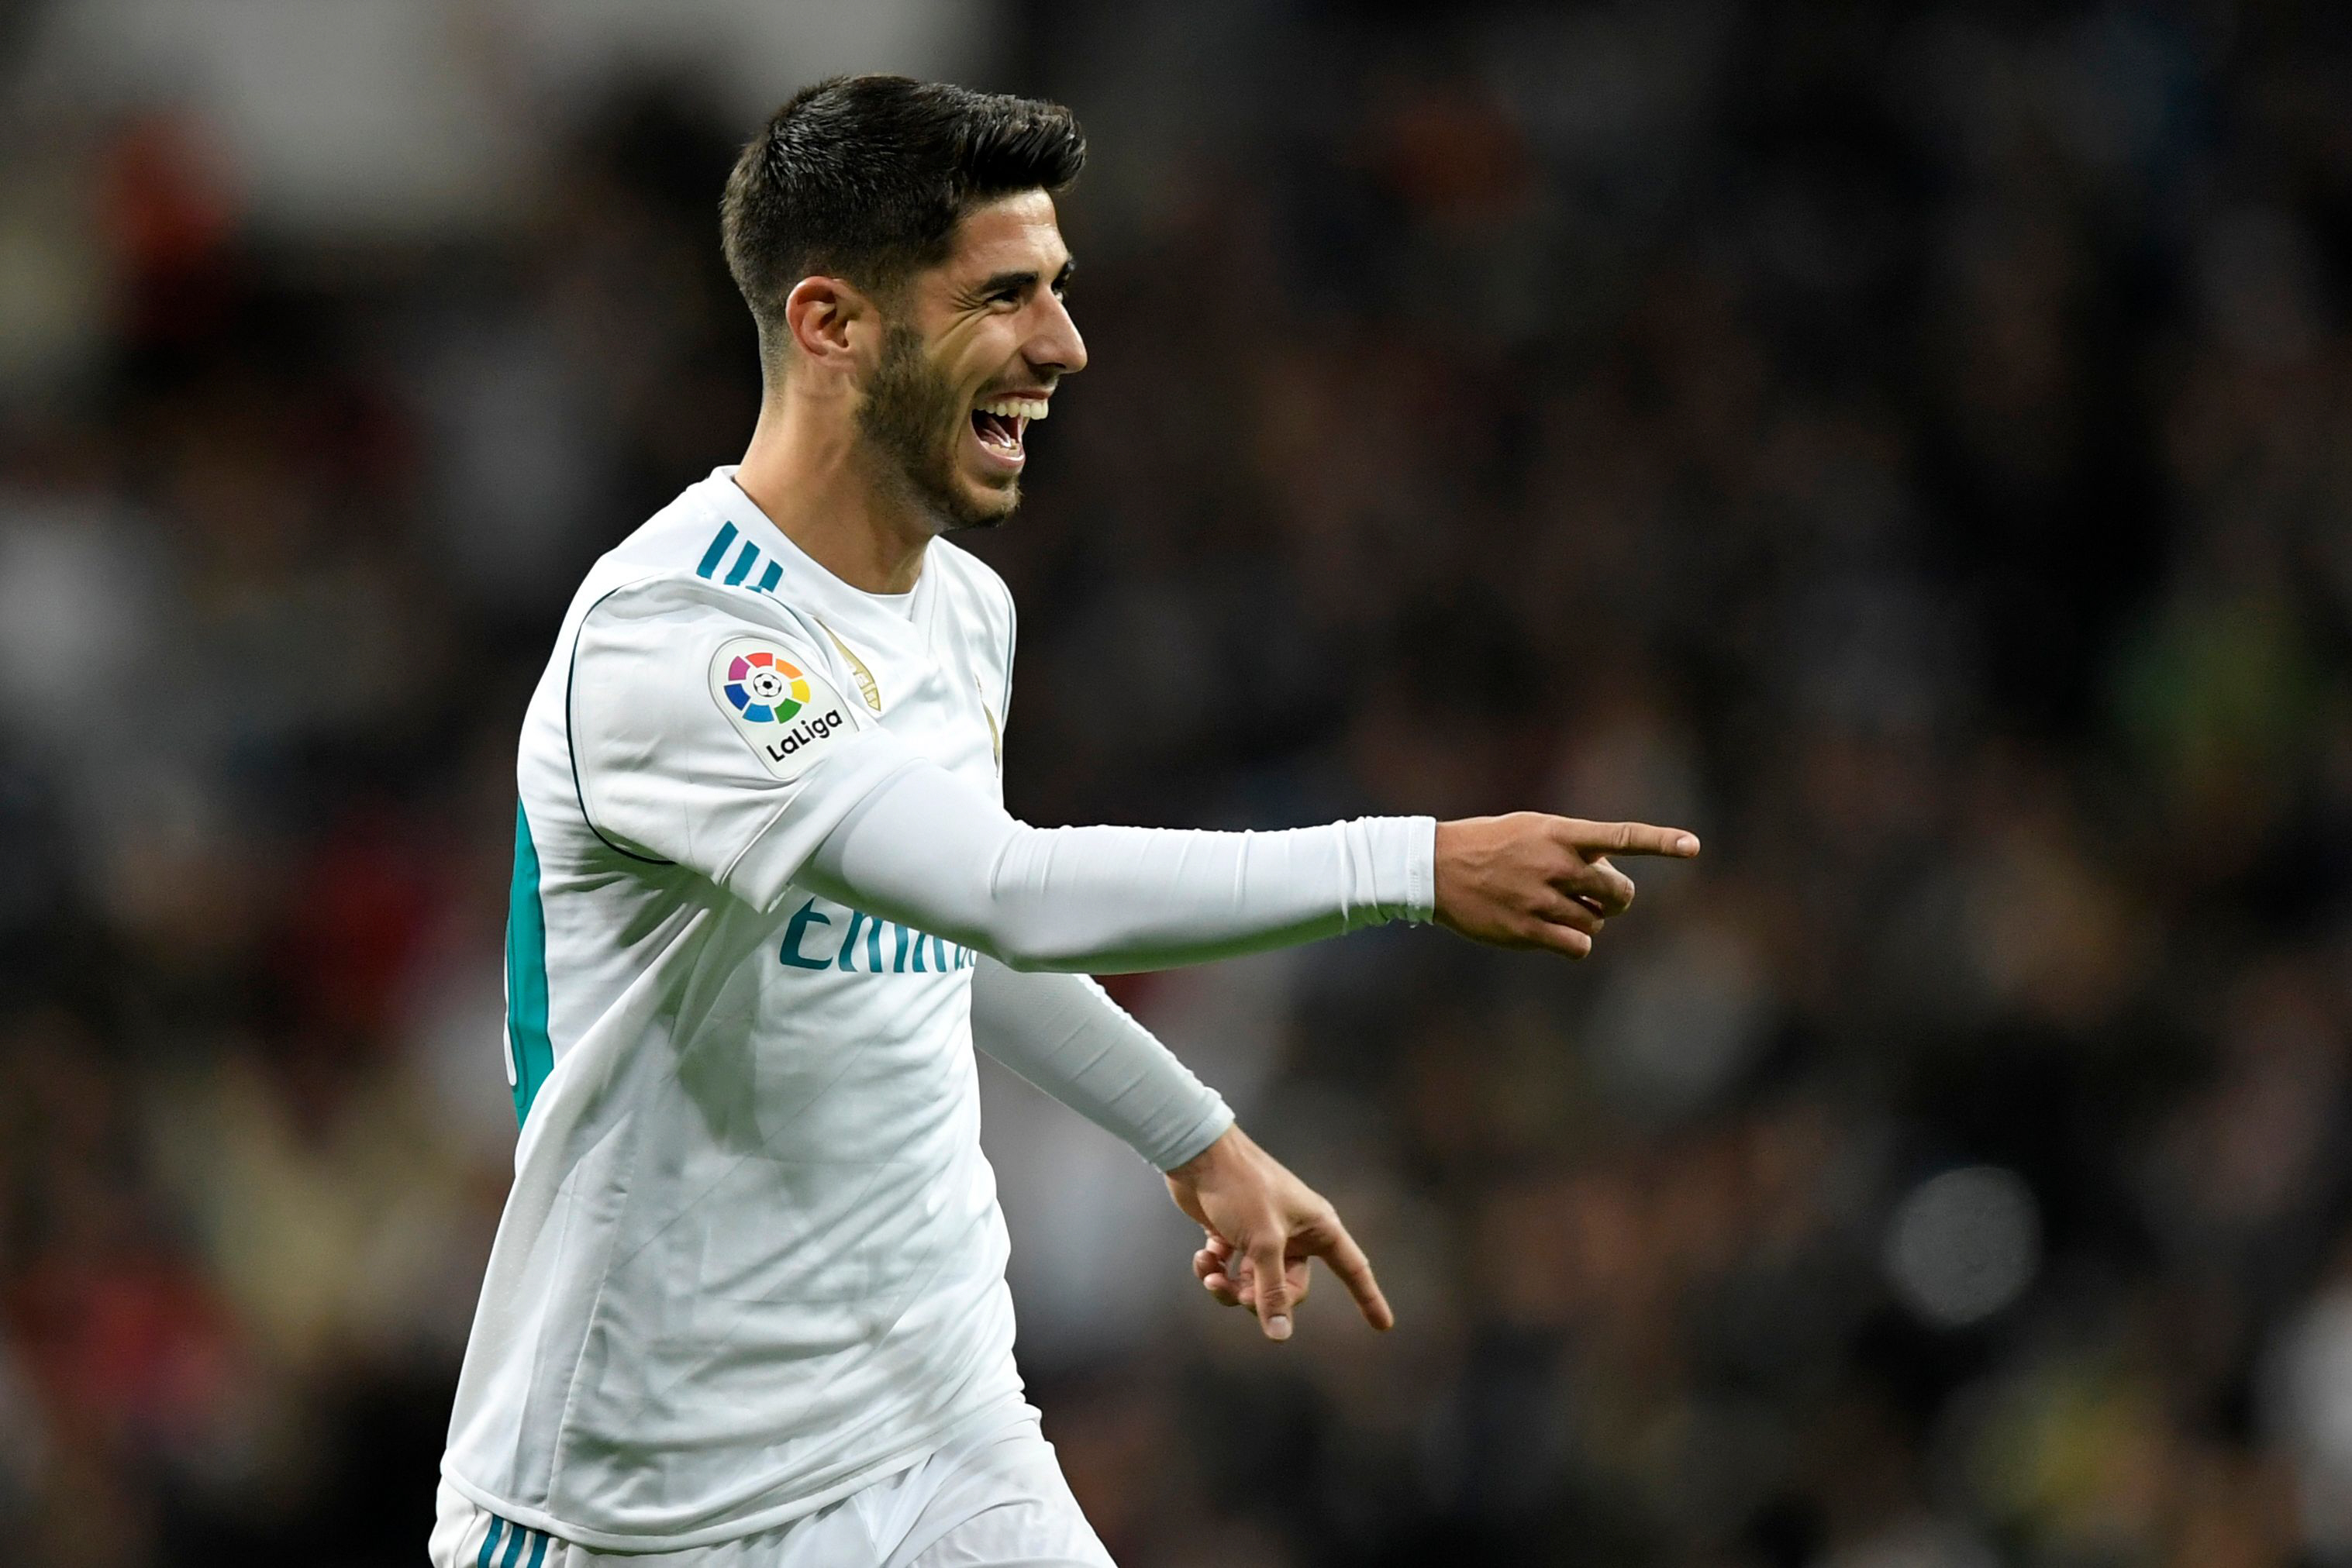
(1057, 346)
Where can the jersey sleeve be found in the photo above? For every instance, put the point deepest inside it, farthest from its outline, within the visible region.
(708, 731)
(928, 849)
(1066, 1035)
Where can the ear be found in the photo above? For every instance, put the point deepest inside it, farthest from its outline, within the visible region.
(828, 318)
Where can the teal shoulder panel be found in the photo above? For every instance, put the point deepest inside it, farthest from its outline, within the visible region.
(533, 1056)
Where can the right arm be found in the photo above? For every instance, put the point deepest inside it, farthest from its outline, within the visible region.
(928, 849)
(925, 848)
(667, 771)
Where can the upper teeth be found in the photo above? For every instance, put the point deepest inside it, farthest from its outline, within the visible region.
(1015, 407)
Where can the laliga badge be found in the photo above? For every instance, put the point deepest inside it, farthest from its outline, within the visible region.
(787, 712)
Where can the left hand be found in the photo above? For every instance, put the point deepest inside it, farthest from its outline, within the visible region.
(1263, 1225)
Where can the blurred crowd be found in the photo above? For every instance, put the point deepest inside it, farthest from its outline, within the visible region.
(1911, 447)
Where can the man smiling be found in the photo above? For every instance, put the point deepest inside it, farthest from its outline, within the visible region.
(747, 1301)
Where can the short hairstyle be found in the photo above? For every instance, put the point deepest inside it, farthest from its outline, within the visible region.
(866, 177)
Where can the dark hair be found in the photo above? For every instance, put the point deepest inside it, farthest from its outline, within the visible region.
(864, 178)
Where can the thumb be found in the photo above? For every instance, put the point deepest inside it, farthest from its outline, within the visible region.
(1273, 1283)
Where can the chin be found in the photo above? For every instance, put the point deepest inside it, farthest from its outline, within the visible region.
(978, 505)
(988, 507)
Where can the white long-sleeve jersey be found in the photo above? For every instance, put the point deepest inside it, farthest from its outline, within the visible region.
(753, 1258)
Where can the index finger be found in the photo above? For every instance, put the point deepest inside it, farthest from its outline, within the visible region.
(1339, 1249)
(1633, 839)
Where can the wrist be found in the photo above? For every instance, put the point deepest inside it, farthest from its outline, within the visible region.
(1215, 1121)
(1230, 1149)
(1445, 851)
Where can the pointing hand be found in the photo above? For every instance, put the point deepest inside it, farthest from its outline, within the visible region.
(1529, 880)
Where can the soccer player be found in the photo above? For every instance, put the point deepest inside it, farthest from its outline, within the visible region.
(747, 1302)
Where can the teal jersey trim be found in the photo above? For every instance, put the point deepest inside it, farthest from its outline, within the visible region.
(515, 1536)
(533, 1057)
(718, 550)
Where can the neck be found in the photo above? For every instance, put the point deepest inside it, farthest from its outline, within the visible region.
(807, 471)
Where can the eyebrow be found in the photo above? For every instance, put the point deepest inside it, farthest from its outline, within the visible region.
(1004, 280)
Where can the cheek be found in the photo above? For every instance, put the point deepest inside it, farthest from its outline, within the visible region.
(979, 355)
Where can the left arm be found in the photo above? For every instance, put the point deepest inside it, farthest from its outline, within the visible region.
(1262, 1224)
(1063, 1034)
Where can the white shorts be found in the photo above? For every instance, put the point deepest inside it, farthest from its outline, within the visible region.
(996, 1500)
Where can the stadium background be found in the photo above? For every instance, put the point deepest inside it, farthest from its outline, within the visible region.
(1914, 450)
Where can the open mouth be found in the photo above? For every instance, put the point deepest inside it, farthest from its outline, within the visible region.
(1001, 422)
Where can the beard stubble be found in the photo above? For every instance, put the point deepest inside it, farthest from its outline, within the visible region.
(908, 421)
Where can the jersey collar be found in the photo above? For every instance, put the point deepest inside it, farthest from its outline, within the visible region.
(894, 625)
